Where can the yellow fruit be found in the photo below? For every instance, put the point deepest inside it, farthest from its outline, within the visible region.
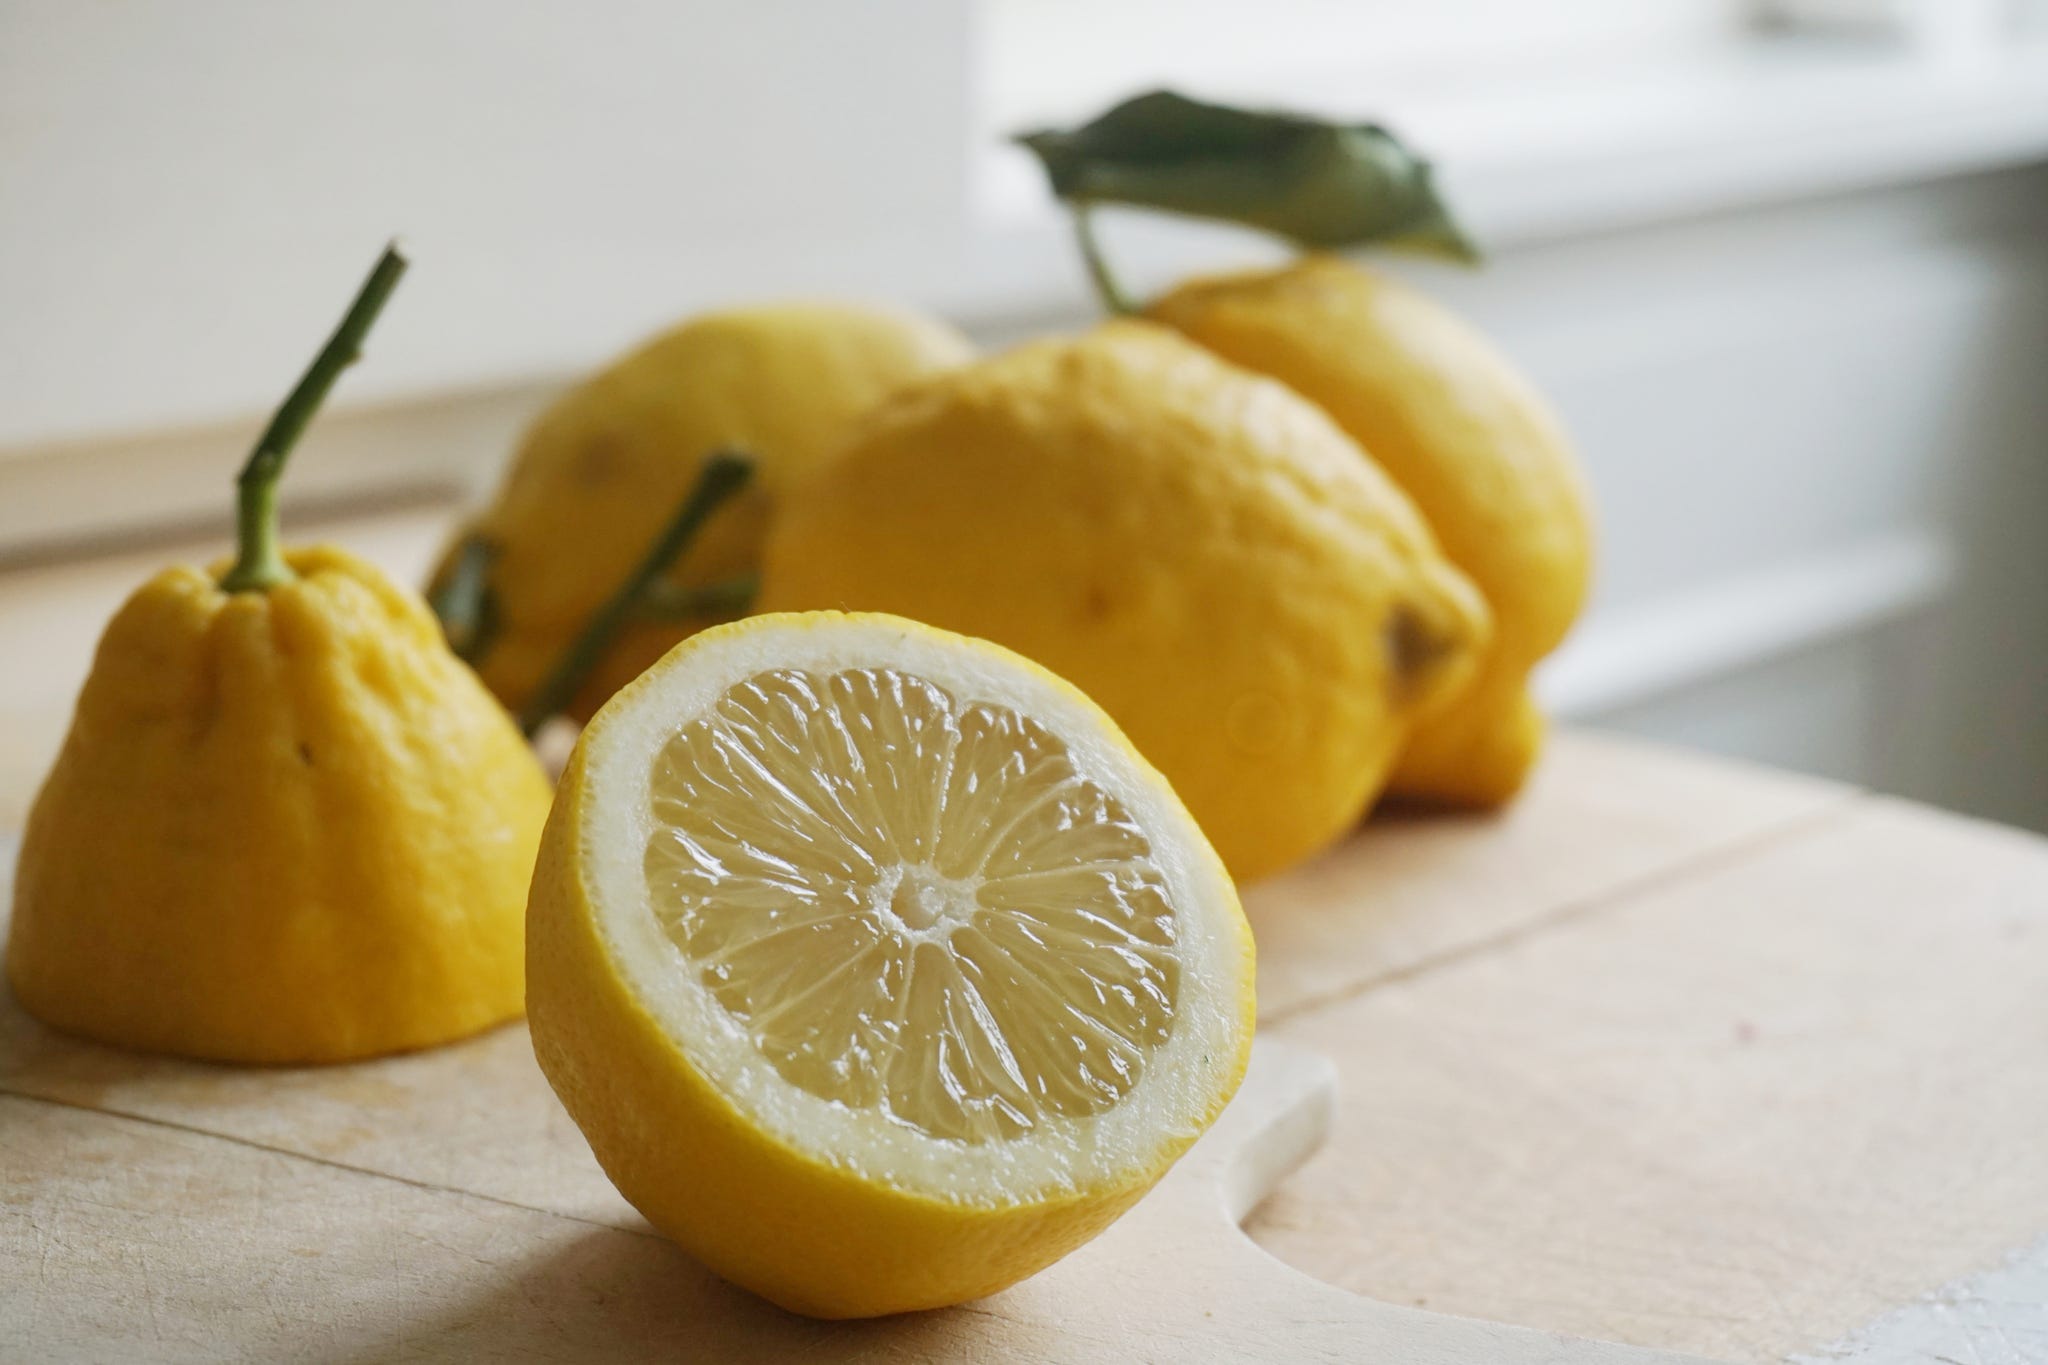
(876, 966)
(286, 826)
(1467, 437)
(605, 467)
(1199, 549)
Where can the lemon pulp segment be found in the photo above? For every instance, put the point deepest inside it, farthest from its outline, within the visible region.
(912, 905)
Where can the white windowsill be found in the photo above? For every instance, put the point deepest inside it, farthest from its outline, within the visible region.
(1574, 152)
(1621, 658)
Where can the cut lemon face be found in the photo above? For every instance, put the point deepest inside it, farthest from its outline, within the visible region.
(877, 967)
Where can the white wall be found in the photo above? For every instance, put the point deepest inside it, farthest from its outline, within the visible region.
(189, 188)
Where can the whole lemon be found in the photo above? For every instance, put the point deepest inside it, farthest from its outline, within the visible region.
(603, 468)
(286, 826)
(1468, 438)
(1199, 549)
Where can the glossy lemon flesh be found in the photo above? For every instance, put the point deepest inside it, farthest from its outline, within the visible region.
(877, 968)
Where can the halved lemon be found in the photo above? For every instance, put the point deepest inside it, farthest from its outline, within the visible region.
(877, 967)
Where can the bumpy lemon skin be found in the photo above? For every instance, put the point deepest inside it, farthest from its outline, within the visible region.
(806, 1235)
(606, 465)
(1196, 547)
(286, 826)
(1469, 439)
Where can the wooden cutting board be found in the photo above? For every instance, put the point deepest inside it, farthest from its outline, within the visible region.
(186, 1246)
(1676, 1053)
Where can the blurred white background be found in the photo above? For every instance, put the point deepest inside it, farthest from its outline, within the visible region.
(1782, 265)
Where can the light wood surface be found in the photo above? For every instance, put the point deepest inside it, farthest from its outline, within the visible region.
(1675, 1053)
(1740, 1113)
(191, 1247)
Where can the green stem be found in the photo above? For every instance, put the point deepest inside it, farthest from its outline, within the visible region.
(725, 473)
(1112, 295)
(259, 562)
(727, 597)
(463, 600)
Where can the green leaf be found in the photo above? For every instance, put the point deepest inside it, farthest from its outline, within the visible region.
(1311, 181)
(462, 597)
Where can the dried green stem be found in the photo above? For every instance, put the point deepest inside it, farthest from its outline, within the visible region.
(463, 599)
(724, 474)
(259, 561)
(727, 597)
(1113, 298)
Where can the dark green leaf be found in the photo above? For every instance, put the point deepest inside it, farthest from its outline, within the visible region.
(1313, 182)
(463, 599)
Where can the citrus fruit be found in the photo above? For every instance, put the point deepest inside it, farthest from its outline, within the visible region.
(1198, 548)
(1433, 403)
(286, 824)
(605, 466)
(877, 967)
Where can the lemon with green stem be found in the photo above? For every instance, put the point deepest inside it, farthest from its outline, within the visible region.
(1464, 435)
(603, 468)
(1424, 395)
(286, 824)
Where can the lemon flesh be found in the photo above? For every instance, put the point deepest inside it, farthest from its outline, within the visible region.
(877, 967)
(976, 943)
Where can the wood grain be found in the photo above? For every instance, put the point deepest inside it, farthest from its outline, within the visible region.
(1996, 1317)
(479, 1117)
(1602, 816)
(1740, 1110)
(1675, 1051)
(476, 1116)
(126, 1240)
(1740, 1114)
(132, 1240)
